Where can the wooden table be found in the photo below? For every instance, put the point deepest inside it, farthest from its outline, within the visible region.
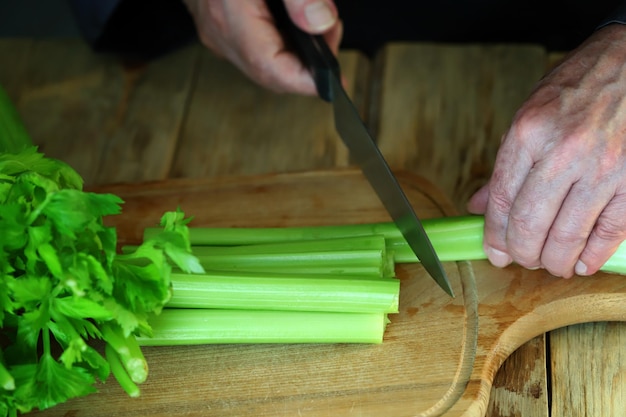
(437, 110)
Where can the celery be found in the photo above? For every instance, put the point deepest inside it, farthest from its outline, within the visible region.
(128, 352)
(237, 290)
(363, 255)
(208, 326)
(455, 238)
(316, 289)
(230, 236)
(267, 291)
(120, 373)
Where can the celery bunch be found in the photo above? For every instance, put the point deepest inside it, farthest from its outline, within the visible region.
(313, 290)
(262, 284)
(63, 287)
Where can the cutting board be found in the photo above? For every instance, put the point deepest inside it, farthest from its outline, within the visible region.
(439, 355)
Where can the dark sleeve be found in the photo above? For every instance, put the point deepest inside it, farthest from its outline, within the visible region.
(134, 29)
(617, 16)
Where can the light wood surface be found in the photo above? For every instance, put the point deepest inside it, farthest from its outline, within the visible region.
(443, 108)
(121, 123)
(438, 357)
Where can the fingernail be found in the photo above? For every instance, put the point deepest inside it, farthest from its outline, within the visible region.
(498, 258)
(580, 268)
(319, 16)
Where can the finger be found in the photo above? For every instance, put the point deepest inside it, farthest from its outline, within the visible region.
(572, 227)
(608, 233)
(509, 172)
(264, 58)
(477, 203)
(312, 16)
(284, 73)
(536, 207)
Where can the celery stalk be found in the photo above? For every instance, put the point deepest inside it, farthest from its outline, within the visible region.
(228, 236)
(264, 291)
(456, 238)
(364, 255)
(120, 373)
(128, 352)
(208, 326)
(355, 255)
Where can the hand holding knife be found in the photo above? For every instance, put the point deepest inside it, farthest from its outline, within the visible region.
(317, 56)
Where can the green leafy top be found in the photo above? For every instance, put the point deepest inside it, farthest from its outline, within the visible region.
(63, 284)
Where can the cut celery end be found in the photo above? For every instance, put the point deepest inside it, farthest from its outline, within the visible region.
(207, 326)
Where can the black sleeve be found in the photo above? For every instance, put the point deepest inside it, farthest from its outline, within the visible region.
(135, 29)
(617, 16)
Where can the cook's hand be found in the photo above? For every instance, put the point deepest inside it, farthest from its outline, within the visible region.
(243, 32)
(557, 196)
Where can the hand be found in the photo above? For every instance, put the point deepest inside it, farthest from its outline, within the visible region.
(557, 196)
(243, 32)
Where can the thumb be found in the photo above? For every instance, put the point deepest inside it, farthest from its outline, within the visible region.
(312, 16)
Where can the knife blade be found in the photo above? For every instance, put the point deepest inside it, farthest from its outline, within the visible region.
(317, 56)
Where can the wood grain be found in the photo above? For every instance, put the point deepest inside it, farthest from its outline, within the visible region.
(74, 102)
(443, 108)
(314, 380)
(439, 356)
(111, 121)
(236, 127)
(592, 358)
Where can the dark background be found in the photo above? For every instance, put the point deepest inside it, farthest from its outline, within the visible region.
(148, 28)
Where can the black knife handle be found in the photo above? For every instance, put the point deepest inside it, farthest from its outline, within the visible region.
(312, 50)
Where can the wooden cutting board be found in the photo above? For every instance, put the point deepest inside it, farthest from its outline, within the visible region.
(439, 355)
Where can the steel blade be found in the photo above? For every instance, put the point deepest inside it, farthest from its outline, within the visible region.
(367, 155)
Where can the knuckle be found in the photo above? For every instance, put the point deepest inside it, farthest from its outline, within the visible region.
(529, 122)
(499, 199)
(524, 227)
(566, 238)
(524, 240)
(610, 229)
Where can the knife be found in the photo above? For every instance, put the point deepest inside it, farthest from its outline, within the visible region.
(317, 56)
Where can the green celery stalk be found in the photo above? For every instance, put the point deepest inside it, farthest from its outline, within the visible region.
(128, 352)
(272, 291)
(230, 236)
(355, 255)
(455, 238)
(13, 135)
(209, 326)
(363, 255)
(120, 373)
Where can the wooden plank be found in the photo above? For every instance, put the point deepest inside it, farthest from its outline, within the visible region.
(237, 127)
(443, 108)
(111, 122)
(521, 378)
(589, 370)
(439, 354)
(440, 111)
